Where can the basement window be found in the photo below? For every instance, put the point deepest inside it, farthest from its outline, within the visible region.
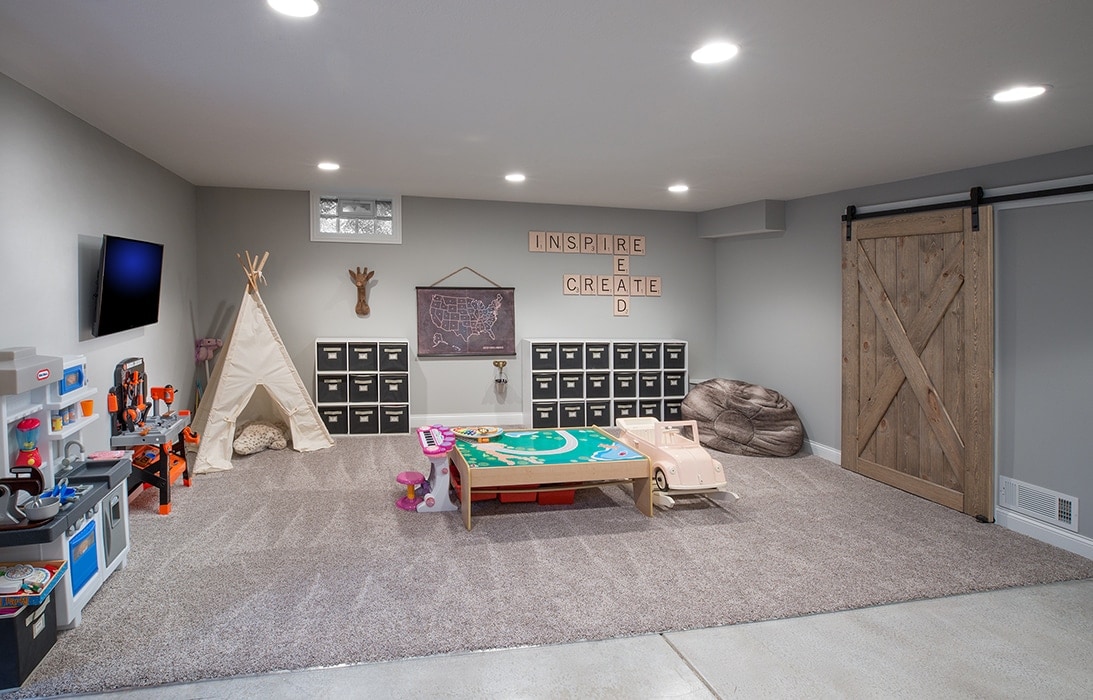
(356, 218)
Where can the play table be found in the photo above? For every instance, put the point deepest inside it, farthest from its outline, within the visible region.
(576, 457)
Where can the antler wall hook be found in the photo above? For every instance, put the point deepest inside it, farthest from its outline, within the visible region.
(360, 278)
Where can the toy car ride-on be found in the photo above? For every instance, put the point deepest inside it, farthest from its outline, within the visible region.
(681, 464)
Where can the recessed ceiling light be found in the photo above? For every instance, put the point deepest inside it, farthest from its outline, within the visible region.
(678, 188)
(715, 52)
(515, 177)
(327, 165)
(1020, 92)
(295, 8)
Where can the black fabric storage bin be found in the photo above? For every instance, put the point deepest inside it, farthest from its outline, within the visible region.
(675, 356)
(544, 385)
(598, 413)
(363, 357)
(544, 415)
(363, 388)
(394, 388)
(625, 409)
(331, 388)
(570, 355)
(571, 414)
(331, 357)
(25, 639)
(597, 355)
(394, 419)
(625, 356)
(336, 419)
(571, 385)
(649, 355)
(544, 356)
(364, 420)
(394, 357)
(597, 385)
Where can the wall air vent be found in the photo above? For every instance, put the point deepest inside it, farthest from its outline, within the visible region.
(1040, 503)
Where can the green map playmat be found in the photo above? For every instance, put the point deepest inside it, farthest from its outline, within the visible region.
(532, 447)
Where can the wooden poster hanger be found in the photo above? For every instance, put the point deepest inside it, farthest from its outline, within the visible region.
(471, 269)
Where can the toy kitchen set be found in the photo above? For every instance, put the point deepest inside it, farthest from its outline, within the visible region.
(58, 506)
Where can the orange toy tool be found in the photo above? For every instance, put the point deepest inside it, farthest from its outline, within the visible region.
(166, 394)
(190, 436)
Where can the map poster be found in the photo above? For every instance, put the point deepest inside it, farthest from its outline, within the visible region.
(461, 321)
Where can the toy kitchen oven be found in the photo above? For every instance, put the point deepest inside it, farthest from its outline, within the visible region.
(91, 529)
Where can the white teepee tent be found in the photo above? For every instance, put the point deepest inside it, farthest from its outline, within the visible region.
(253, 357)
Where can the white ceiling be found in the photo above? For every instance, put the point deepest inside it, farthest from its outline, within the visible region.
(596, 101)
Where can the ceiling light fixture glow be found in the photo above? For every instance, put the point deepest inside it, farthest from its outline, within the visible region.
(678, 188)
(715, 52)
(328, 165)
(1020, 92)
(295, 8)
(515, 177)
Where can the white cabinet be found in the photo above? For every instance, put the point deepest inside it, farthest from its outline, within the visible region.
(362, 385)
(576, 382)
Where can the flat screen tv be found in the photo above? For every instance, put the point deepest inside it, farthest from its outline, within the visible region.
(130, 273)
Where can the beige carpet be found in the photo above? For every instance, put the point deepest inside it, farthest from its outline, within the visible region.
(297, 560)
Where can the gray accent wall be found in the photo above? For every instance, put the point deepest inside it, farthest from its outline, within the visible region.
(1045, 348)
(63, 185)
(310, 294)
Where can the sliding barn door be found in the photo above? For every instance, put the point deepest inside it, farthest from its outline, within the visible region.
(918, 358)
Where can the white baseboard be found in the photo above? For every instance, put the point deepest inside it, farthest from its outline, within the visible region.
(1009, 519)
(820, 450)
(512, 418)
(1071, 542)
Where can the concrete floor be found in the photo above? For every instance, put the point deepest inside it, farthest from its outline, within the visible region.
(1034, 642)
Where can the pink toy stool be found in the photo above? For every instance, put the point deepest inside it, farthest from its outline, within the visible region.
(412, 480)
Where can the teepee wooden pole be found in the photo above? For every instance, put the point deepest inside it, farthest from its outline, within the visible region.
(253, 269)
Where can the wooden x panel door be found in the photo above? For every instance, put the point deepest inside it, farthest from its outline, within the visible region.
(918, 356)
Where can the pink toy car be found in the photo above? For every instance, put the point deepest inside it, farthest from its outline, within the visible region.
(680, 462)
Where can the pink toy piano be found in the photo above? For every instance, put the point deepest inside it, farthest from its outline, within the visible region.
(434, 494)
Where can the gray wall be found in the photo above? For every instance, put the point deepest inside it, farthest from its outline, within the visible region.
(779, 315)
(310, 294)
(63, 184)
(1045, 348)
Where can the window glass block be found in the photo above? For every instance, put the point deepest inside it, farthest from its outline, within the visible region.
(356, 220)
(355, 207)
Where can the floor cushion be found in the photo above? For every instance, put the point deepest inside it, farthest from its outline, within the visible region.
(260, 435)
(744, 419)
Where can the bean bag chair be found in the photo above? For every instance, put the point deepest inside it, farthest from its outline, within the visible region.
(744, 419)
